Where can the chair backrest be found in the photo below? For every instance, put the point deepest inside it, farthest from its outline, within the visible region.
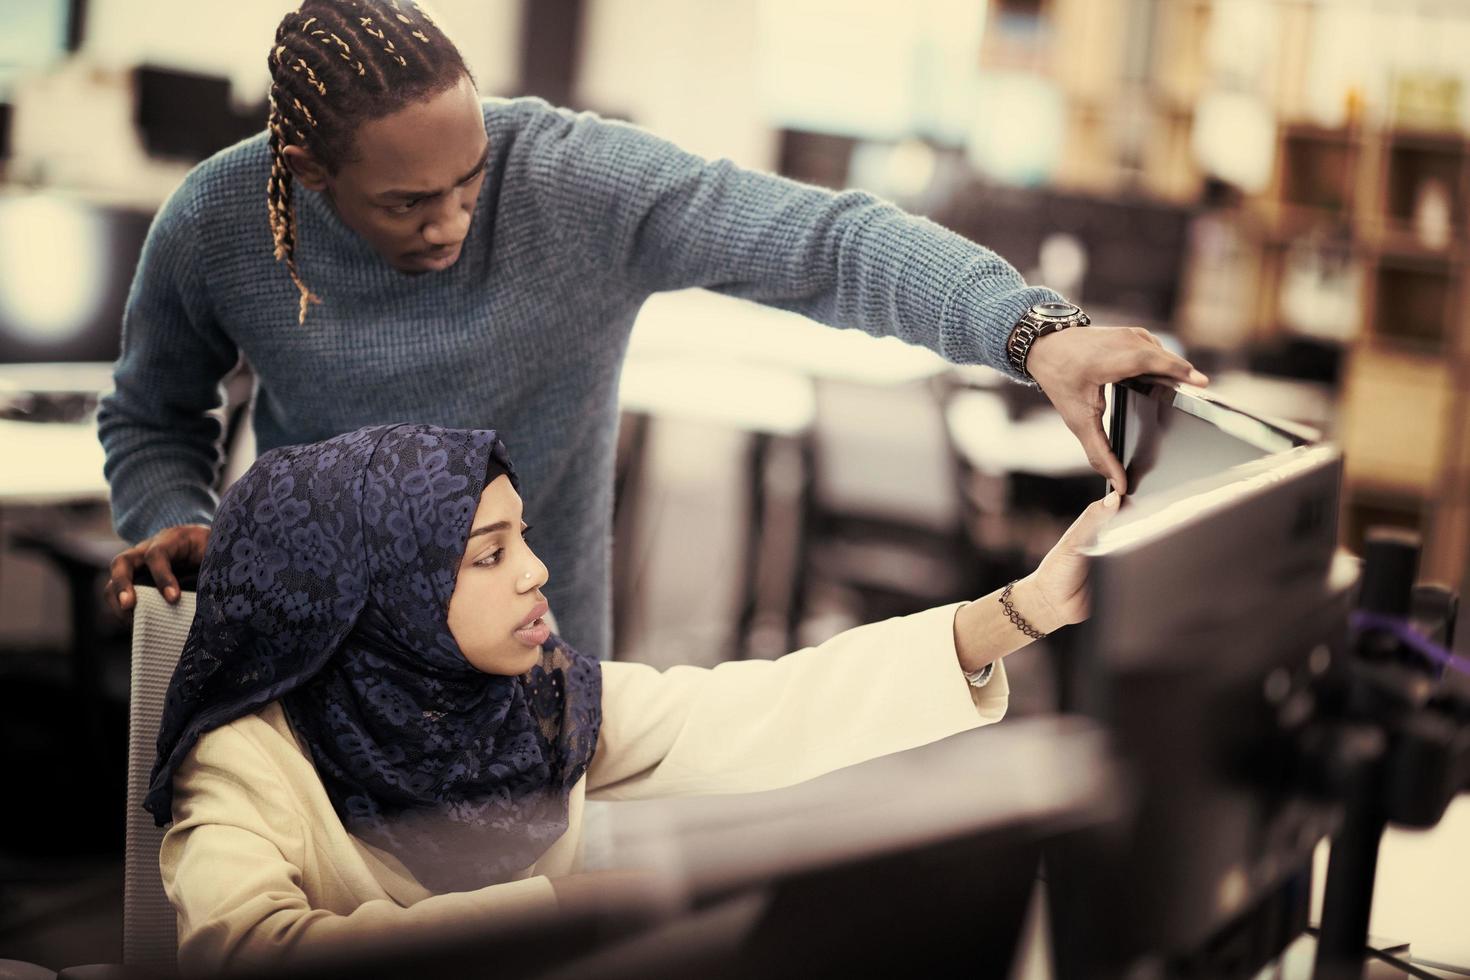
(150, 938)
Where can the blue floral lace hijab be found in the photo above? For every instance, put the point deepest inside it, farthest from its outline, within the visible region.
(326, 586)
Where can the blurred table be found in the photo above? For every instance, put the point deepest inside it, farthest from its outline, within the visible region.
(709, 325)
(50, 463)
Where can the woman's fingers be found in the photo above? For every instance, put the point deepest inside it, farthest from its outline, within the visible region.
(1094, 518)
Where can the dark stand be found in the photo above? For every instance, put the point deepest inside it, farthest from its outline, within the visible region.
(1419, 759)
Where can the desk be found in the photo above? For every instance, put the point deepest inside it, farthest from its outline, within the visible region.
(709, 325)
(50, 463)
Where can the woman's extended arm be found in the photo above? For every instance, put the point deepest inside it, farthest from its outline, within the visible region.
(755, 725)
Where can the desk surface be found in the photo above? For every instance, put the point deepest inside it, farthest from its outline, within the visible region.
(50, 463)
(699, 322)
(89, 377)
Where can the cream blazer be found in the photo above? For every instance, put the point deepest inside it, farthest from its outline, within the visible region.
(259, 867)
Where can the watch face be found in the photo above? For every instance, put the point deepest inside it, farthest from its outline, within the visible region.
(1055, 310)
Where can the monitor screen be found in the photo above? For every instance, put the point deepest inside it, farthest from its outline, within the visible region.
(1218, 596)
(65, 270)
(1176, 441)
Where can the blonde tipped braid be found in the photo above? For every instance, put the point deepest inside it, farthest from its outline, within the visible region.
(283, 211)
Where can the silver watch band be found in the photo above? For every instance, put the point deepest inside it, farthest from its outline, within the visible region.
(1040, 320)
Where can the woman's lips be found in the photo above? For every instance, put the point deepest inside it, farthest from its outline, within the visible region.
(533, 631)
(540, 609)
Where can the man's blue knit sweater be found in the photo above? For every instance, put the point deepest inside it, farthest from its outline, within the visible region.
(579, 221)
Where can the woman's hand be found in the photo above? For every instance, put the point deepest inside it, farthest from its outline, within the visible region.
(1053, 596)
(1058, 588)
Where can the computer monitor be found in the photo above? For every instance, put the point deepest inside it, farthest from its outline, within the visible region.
(1168, 435)
(65, 269)
(1217, 604)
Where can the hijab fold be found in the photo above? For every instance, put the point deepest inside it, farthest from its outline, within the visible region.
(326, 586)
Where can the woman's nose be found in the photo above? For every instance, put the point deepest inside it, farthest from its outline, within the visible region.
(535, 576)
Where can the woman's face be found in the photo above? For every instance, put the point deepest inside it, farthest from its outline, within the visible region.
(497, 610)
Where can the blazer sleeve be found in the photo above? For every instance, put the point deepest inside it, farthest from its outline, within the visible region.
(754, 725)
(232, 867)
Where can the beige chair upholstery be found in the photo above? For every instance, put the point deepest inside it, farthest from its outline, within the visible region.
(159, 630)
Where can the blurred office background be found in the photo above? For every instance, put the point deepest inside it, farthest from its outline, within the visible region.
(1277, 187)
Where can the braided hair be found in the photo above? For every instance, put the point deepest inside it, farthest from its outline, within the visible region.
(334, 65)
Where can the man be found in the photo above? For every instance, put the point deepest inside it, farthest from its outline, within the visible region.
(476, 264)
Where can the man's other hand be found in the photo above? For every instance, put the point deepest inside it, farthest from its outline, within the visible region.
(168, 554)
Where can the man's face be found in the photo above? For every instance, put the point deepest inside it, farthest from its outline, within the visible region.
(411, 187)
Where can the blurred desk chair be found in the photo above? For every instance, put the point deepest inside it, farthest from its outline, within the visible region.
(774, 406)
(884, 534)
(150, 940)
(1024, 478)
(854, 377)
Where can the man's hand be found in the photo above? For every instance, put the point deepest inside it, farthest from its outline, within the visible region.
(1072, 366)
(173, 549)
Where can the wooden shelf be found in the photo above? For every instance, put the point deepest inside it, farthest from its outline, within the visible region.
(1318, 167)
(1411, 306)
(1386, 206)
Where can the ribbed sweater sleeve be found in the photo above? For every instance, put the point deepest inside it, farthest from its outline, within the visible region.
(642, 211)
(161, 444)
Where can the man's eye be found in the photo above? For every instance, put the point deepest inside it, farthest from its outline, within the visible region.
(404, 208)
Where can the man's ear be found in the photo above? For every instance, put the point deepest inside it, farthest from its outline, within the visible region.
(309, 173)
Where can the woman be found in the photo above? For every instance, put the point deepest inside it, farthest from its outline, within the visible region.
(394, 247)
(372, 732)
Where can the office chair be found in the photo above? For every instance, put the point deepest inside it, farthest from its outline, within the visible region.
(150, 940)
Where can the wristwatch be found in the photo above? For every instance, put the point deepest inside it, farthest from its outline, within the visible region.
(1040, 320)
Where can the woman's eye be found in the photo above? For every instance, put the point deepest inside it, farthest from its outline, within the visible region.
(492, 559)
(525, 532)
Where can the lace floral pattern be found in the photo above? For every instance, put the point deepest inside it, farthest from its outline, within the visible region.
(326, 586)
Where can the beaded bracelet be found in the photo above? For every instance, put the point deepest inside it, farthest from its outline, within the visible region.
(1017, 618)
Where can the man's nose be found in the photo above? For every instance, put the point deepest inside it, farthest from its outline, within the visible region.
(449, 227)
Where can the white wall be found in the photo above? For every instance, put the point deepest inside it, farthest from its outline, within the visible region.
(685, 69)
(233, 38)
